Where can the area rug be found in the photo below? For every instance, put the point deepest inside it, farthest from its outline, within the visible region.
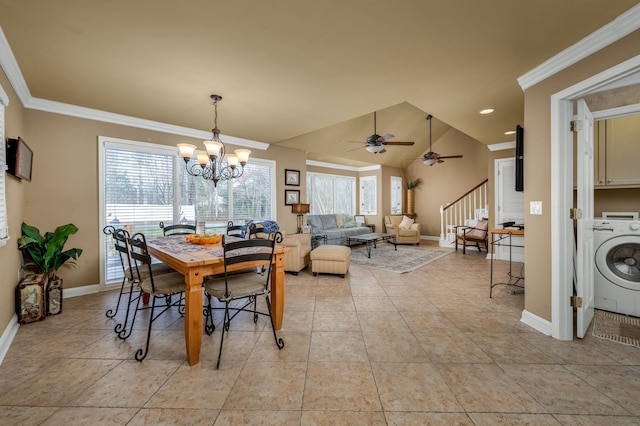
(405, 259)
(618, 328)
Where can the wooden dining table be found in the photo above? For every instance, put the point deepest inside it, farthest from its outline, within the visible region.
(196, 262)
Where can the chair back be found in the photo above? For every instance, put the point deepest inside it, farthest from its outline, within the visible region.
(249, 253)
(120, 237)
(140, 258)
(239, 231)
(253, 231)
(179, 229)
(480, 230)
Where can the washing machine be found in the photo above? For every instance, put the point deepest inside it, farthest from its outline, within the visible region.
(617, 266)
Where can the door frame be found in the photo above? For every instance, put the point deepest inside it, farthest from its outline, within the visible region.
(562, 186)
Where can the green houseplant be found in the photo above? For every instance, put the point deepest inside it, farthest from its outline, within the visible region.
(45, 252)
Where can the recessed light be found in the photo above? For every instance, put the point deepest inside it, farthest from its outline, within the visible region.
(487, 111)
(510, 132)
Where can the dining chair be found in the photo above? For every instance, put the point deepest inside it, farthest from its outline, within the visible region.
(166, 290)
(236, 230)
(178, 229)
(129, 289)
(246, 287)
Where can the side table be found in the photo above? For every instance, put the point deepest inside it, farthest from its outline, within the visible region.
(316, 239)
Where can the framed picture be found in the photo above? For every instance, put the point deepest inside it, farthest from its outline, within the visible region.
(291, 196)
(359, 220)
(292, 177)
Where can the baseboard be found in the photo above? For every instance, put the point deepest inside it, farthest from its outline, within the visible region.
(429, 237)
(7, 337)
(536, 322)
(12, 328)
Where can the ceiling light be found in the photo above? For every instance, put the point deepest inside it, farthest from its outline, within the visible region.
(430, 161)
(510, 132)
(487, 111)
(375, 148)
(210, 165)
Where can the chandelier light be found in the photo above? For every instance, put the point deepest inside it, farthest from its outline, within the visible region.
(210, 164)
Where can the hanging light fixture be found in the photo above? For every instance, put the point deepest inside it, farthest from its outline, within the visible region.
(429, 158)
(211, 163)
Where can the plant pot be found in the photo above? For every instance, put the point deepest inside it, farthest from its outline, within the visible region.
(54, 296)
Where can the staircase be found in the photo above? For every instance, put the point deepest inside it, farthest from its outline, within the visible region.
(466, 210)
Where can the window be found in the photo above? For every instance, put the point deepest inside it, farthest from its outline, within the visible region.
(143, 184)
(329, 194)
(4, 229)
(396, 195)
(368, 195)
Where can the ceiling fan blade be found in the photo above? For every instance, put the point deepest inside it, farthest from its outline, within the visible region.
(355, 142)
(440, 161)
(450, 156)
(399, 143)
(385, 137)
(353, 149)
(381, 152)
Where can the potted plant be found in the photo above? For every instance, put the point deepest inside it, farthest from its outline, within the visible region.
(45, 255)
(412, 185)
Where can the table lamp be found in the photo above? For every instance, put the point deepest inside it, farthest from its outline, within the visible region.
(301, 209)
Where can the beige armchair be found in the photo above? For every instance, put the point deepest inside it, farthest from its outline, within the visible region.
(299, 257)
(410, 235)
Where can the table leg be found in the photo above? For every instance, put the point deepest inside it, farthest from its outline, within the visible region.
(193, 316)
(277, 290)
(368, 243)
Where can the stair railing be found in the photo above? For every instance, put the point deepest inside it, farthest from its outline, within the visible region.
(471, 206)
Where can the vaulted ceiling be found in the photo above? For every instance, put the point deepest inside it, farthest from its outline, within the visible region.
(291, 69)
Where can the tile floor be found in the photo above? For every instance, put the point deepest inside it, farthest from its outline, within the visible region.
(375, 348)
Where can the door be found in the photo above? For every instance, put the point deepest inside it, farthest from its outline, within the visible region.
(584, 247)
(509, 207)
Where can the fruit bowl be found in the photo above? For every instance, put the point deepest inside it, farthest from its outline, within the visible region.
(204, 239)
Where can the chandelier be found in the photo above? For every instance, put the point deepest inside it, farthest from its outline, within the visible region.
(210, 164)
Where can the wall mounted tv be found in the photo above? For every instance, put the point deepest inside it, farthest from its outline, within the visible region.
(19, 158)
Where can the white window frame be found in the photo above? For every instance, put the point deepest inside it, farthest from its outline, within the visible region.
(4, 225)
(369, 195)
(334, 177)
(396, 192)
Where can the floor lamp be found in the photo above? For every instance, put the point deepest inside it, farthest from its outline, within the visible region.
(301, 209)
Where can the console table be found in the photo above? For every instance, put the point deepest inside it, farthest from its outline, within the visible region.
(502, 237)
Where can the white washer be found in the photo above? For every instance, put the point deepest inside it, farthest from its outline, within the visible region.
(617, 266)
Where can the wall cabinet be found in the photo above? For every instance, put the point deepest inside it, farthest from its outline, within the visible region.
(617, 152)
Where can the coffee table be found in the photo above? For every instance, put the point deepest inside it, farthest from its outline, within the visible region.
(372, 240)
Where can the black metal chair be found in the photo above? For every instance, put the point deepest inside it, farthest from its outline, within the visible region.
(179, 229)
(239, 231)
(129, 289)
(162, 288)
(240, 255)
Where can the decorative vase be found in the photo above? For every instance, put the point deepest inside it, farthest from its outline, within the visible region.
(410, 200)
(54, 296)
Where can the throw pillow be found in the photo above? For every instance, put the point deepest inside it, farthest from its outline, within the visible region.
(406, 223)
(348, 221)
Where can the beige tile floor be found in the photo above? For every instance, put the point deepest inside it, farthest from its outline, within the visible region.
(375, 348)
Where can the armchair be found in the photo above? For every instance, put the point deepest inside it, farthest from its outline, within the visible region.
(467, 235)
(404, 235)
(299, 257)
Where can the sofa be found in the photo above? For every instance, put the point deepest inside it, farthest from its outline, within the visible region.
(404, 235)
(298, 258)
(337, 227)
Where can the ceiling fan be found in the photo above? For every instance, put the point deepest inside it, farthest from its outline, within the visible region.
(431, 158)
(376, 143)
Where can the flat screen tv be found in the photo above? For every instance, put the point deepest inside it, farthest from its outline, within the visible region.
(19, 158)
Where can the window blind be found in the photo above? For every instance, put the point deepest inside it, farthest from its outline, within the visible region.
(329, 194)
(4, 227)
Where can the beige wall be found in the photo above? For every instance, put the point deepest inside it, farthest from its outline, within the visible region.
(15, 195)
(445, 182)
(537, 125)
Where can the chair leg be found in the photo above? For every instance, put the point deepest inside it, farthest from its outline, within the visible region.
(225, 327)
(141, 354)
(122, 331)
(279, 341)
(209, 327)
(112, 312)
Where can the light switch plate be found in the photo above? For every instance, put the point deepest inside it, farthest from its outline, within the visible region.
(535, 207)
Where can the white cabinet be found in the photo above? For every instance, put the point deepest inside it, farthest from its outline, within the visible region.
(617, 161)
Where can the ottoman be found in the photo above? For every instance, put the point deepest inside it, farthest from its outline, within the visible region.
(329, 259)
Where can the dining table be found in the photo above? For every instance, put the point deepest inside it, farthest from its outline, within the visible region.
(196, 262)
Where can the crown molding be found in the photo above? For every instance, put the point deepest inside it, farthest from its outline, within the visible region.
(15, 77)
(502, 146)
(620, 27)
(342, 166)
